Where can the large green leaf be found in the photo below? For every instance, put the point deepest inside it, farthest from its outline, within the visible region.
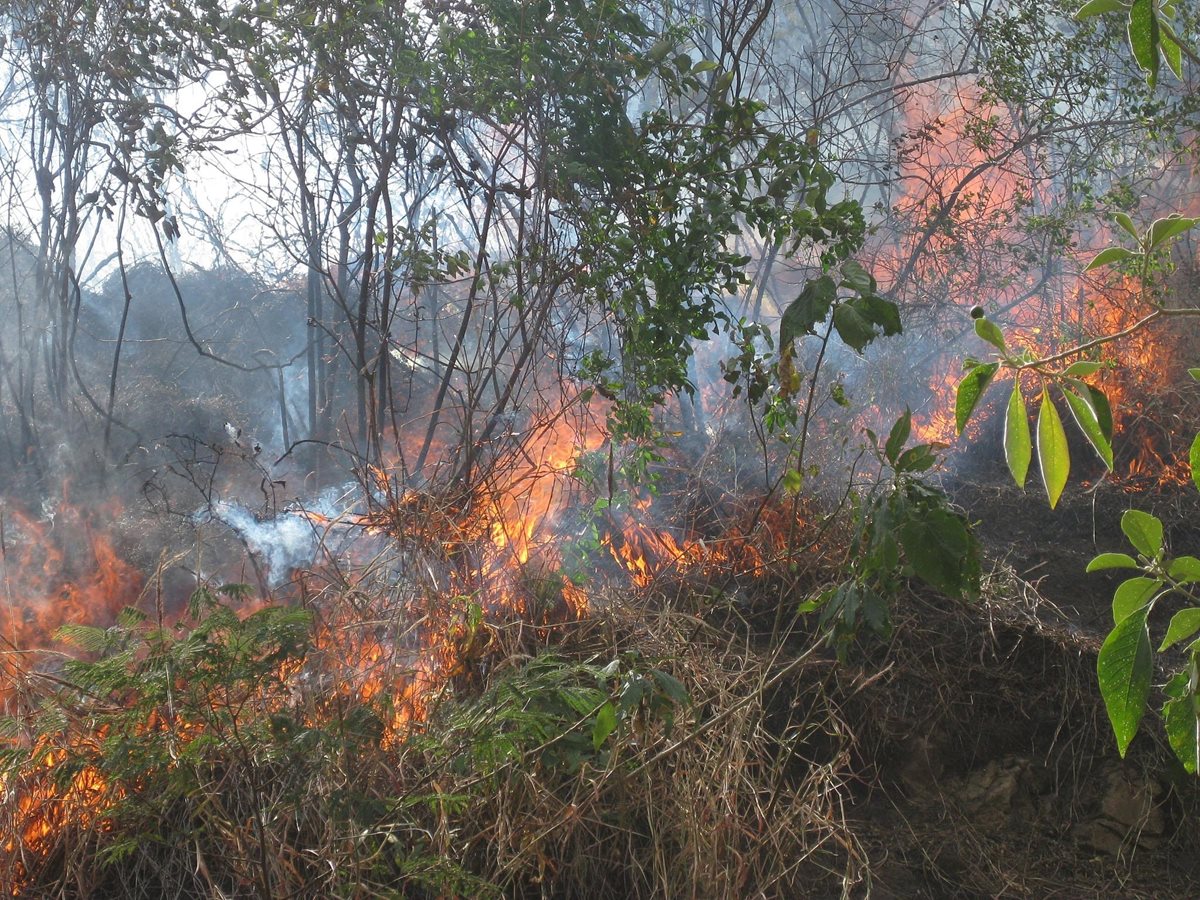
(1132, 595)
(605, 724)
(1085, 418)
(1083, 368)
(1127, 223)
(1144, 531)
(898, 436)
(919, 458)
(807, 310)
(938, 547)
(1171, 50)
(1164, 229)
(1124, 668)
(1184, 624)
(1018, 445)
(990, 332)
(671, 686)
(1108, 256)
(851, 327)
(1181, 716)
(1194, 460)
(1098, 8)
(1103, 410)
(1143, 37)
(1185, 569)
(856, 277)
(1053, 456)
(1112, 561)
(970, 389)
(880, 311)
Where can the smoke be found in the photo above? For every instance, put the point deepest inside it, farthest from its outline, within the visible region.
(284, 543)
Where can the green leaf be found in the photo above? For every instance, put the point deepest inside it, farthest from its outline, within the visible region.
(1181, 716)
(705, 65)
(1098, 8)
(606, 724)
(1143, 37)
(856, 277)
(1194, 460)
(970, 389)
(1127, 223)
(1164, 229)
(130, 617)
(898, 436)
(1053, 456)
(1103, 411)
(86, 637)
(1144, 531)
(807, 310)
(1083, 368)
(632, 693)
(1109, 256)
(851, 327)
(1185, 569)
(793, 481)
(1132, 595)
(722, 83)
(1124, 668)
(1112, 561)
(917, 459)
(875, 613)
(1195, 373)
(1183, 625)
(1018, 445)
(990, 332)
(938, 547)
(880, 311)
(659, 51)
(1171, 50)
(671, 686)
(1085, 418)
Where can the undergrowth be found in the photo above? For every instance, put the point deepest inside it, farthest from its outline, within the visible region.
(223, 757)
(664, 745)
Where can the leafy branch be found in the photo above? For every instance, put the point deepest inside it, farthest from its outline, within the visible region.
(1152, 35)
(1125, 665)
(1088, 404)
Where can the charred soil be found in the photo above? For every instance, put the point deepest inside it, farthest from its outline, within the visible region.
(989, 766)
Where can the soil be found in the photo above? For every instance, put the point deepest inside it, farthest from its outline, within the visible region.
(996, 774)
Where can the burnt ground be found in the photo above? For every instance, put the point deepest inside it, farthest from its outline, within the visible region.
(1051, 548)
(996, 771)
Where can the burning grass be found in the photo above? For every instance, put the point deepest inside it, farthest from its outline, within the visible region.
(242, 754)
(442, 711)
(436, 696)
(386, 737)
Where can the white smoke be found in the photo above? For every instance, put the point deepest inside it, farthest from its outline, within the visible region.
(285, 543)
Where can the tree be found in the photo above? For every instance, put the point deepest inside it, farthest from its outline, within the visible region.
(1125, 665)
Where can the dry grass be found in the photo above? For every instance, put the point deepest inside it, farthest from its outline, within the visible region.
(305, 784)
(785, 775)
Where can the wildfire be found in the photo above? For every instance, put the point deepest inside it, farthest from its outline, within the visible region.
(389, 634)
(62, 567)
(646, 554)
(961, 195)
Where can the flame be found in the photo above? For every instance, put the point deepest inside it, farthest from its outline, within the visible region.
(962, 192)
(646, 553)
(59, 568)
